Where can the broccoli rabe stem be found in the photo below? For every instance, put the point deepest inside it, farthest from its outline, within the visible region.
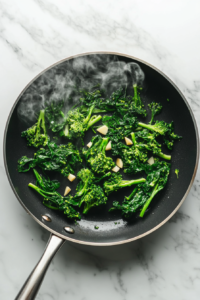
(84, 189)
(167, 157)
(104, 144)
(109, 187)
(155, 191)
(41, 124)
(38, 177)
(93, 120)
(137, 99)
(133, 138)
(147, 126)
(125, 183)
(40, 191)
(103, 177)
(132, 194)
(89, 114)
(50, 206)
(152, 119)
(63, 115)
(138, 129)
(159, 127)
(95, 110)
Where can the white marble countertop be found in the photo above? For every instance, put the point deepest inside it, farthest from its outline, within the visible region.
(33, 35)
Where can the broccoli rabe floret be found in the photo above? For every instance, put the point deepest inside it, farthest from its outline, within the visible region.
(164, 129)
(155, 110)
(86, 178)
(115, 182)
(78, 123)
(37, 135)
(137, 106)
(147, 142)
(88, 192)
(96, 156)
(170, 137)
(94, 197)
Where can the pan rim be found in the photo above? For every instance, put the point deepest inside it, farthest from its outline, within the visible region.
(109, 243)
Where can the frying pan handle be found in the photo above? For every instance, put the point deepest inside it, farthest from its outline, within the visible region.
(32, 284)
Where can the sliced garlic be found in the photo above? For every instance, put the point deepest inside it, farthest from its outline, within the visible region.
(108, 147)
(151, 160)
(67, 190)
(103, 129)
(71, 177)
(128, 141)
(89, 144)
(119, 163)
(116, 169)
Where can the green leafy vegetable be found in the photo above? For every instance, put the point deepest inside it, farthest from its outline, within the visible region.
(45, 183)
(117, 101)
(52, 198)
(159, 180)
(55, 201)
(55, 116)
(143, 194)
(62, 159)
(118, 128)
(96, 180)
(36, 135)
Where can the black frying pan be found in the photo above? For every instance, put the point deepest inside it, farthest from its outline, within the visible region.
(81, 69)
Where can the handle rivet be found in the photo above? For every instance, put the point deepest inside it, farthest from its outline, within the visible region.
(46, 218)
(69, 229)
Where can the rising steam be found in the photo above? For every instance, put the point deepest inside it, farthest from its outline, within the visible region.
(61, 82)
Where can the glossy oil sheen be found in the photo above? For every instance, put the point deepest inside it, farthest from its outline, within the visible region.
(112, 229)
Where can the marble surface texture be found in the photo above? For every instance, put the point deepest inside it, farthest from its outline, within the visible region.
(35, 34)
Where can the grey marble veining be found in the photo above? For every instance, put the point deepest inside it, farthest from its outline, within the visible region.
(35, 34)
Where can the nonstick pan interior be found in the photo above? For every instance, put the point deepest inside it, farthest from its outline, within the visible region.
(112, 228)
